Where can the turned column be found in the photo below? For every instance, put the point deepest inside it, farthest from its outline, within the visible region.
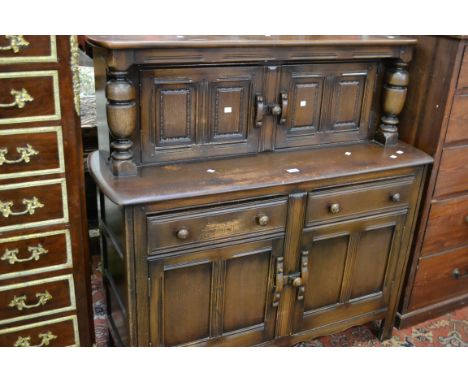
(121, 118)
(394, 96)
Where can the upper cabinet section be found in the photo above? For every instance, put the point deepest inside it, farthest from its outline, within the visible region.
(178, 98)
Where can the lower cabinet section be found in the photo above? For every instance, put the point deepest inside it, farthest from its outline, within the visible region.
(216, 295)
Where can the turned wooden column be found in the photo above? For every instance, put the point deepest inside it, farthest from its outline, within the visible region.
(394, 96)
(121, 118)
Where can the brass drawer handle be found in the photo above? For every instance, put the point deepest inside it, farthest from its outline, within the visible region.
(25, 154)
(11, 255)
(20, 99)
(31, 205)
(263, 220)
(16, 43)
(396, 197)
(19, 302)
(45, 338)
(457, 274)
(182, 233)
(334, 208)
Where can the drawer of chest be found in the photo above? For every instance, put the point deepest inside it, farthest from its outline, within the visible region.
(34, 151)
(453, 171)
(202, 226)
(350, 201)
(36, 298)
(33, 204)
(35, 253)
(463, 77)
(458, 123)
(440, 277)
(21, 49)
(447, 225)
(59, 332)
(29, 96)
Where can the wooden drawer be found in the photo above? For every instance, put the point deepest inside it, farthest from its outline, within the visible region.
(447, 226)
(440, 277)
(35, 253)
(33, 204)
(458, 123)
(29, 97)
(59, 332)
(21, 49)
(453, 171)
(343, 202)
(463, 78)
(26, 152)
(36, 298)
(202, 226)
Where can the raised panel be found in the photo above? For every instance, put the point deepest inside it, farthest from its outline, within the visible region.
(371, 261)
(458, 123)
(327, 258)
(246, 291)
(186, 301)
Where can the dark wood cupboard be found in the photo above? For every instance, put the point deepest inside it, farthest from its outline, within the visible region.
(249, 194)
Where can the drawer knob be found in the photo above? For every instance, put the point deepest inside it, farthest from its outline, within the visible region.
(334, 208)
(457, 274)
(183, 233)
(263, 220)
(396, 197)
(466, 218)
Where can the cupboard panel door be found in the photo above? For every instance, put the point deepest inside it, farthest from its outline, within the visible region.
(326, 103)
(188, 113)
(220, 296)
(359, 258)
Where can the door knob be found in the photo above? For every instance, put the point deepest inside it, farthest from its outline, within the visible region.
(334, 208)
(263, 220)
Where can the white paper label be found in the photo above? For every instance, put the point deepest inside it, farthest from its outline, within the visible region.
(303, 103)
(227, 110)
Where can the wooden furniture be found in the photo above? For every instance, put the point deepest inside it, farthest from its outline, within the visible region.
(44, 275)
(436, 121)
(243, 200)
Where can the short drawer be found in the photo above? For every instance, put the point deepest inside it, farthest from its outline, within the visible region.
(463, 77)
(34, 151)
(59, 332)
(29, 97)
(33, 204)
(453, 171)
(36, 298)
(440, 277)
(447, 226)
(458, 123)
(358, 200)
(35, 253)
(224, 223)
(22, 49)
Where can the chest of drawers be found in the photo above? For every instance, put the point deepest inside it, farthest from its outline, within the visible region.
(437, 281)
(44, 275)
(252, 189)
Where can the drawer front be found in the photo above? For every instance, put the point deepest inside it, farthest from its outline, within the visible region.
(453, 171)
(29, 97)
(447, 226)
(358, 200)
(440, 277)
(33, 204)
(458, 123)
(21, 49)
(59, 332)
(463, 78)
(36, 298)
(207, 225)
(35, 151)
(36, 253)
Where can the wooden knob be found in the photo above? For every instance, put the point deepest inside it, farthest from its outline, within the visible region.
(297, 282)
(334, 208)
(263, 220)
(396, 197)
(276, 110)
(183, 233)
(466, 218)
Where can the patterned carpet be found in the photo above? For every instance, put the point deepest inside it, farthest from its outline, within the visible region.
(448, 330)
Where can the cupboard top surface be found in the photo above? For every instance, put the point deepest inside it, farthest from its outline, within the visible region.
(215, 41)
(169, 182)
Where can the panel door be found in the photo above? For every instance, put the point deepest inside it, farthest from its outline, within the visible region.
(218, 297)
(350, 269)
(326, 103)
(193, 112)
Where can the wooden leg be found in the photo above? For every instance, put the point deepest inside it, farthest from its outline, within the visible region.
(386, 329)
